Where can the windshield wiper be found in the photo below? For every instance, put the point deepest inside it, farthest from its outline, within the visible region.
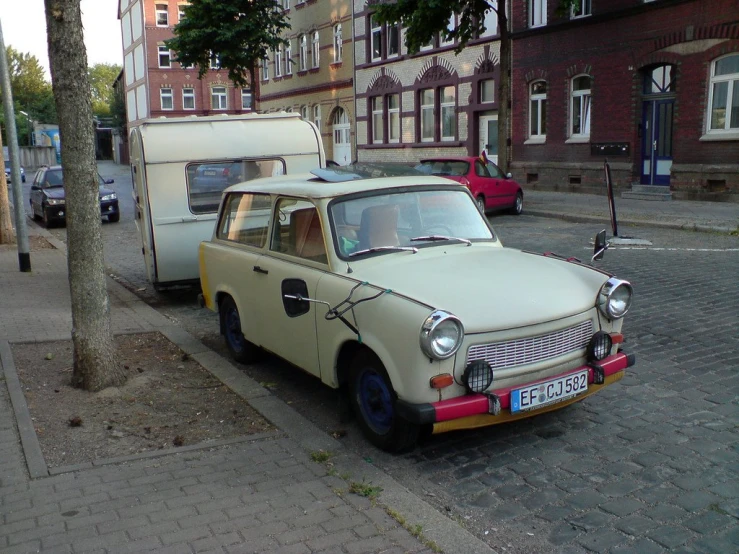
(384, 248)
(442, 237)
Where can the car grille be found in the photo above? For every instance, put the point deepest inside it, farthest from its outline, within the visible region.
(531, 350)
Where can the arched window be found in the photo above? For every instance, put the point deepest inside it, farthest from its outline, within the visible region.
(316, 51)
(304, 112)
(538, 110)
(580, 107)
(723, 115)
(659, 80)
(338, 43)
(303, 60)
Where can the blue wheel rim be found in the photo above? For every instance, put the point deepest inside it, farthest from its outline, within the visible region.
(234, 336)
(375, 401)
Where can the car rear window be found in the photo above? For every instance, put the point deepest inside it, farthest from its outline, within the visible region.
(442, 168)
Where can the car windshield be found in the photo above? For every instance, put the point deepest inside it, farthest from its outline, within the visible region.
(400, 220)
(455, 168)
(53, 178)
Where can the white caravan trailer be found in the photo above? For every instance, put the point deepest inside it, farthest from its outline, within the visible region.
(180, 167)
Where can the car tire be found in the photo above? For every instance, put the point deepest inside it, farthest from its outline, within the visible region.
(480, 201)
(34, 215)
(241, 349)
(517, 207)
(45, 216)
(114, 218)
(373, 400)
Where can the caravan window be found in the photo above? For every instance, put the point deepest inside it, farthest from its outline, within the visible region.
(245, 219)
(207, 180)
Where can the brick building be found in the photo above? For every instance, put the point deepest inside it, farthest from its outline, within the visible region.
(314, 75)
(411, 106)
(155, 84)
(653, 86)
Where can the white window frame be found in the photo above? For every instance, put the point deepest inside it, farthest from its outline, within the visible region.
(215, 62)
(482, 96)
(444, 108)
(393, 118)
(180, 12)
(584, 10)
(375, 39)
(165, 93)
(731, 81)
(491, 21)
(424, 108)
(304, 112)
(303, 60)
(316, 49)
(580, 103)
(537, 13)
(341, 127)
(444, 39)
(265, 69)
(246, 99)
(164, 53)
(278, 61)
(285, 4)
(338, 43)
(188, 96)
(219, 98)
(317, 116)
(376, 104)
(158, 12)
(537, 117)
(289, 58)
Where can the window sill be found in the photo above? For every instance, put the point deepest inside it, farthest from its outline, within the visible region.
(536, 140)
(301, 73)
(314, 70)
(336, 65)
(712, 137)
(578, 140)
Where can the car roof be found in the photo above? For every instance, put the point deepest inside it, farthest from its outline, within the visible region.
(309, 186)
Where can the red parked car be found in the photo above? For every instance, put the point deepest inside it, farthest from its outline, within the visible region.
(492, 189)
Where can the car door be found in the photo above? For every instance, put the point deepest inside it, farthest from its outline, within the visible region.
(505, 189)
(294, 264)
(36, 194)
(483, 183)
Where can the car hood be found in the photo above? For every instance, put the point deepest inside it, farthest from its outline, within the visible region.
(58, 192)
(104, 191)
(489, 289)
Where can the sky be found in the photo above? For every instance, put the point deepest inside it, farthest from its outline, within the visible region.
(24, 28)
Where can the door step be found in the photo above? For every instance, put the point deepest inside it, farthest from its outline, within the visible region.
(648, 192)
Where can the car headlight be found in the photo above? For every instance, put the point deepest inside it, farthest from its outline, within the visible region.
(614, 298)
(55, 201)
(108, 197)
(441, 335)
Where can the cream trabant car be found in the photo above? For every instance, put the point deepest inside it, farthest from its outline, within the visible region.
(397, 291)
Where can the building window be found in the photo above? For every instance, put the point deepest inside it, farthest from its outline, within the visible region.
(303, 61)
(487, 91)
(427, 115)
(583, 9)
(218, 98)
(278, 61)
(581, 107)
(342, 129)
(289, 58)
(162, 15)
(317, 116)
(165, 95)
(304, 112)
(246, 99)
(188, 98)
(285, 4)
(376, 37)
(377, 128)
(491, 21)
(538, 110)
(316, 51)
(393, 39)
(537, 13)
(181, 12)
(723, 115)
(265, 69)
(165, 57)
(338, 43)
(215, 62)
(445, 39)
(393, 117)
(448, 103)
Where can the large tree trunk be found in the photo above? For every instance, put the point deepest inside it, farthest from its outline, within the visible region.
(504, 89)
(7, 234)
(95, 365)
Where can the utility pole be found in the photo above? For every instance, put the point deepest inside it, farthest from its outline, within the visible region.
(21, 232)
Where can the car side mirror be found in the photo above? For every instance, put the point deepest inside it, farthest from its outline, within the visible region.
(109, 181)
(509, 175)
(35, 187)
(601, 245)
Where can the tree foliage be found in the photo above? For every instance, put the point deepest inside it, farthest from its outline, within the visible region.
(238, 33)
(102, 76)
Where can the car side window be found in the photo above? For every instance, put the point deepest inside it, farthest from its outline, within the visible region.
(480, 169)
(245, 219)
(495, 171)
(298, 231)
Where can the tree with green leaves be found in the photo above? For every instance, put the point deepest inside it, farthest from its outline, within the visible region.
(423, 19)
(238, 34)
(102, 76)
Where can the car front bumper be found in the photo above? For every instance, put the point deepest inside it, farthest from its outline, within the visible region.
(481, 410)
(109, 207)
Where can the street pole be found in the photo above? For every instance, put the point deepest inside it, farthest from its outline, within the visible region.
(21, 232)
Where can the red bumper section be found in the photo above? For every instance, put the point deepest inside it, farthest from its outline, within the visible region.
(479, 410)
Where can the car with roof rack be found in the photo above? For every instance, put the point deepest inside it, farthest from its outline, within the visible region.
(395, 290)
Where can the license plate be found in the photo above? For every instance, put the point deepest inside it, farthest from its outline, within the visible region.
(549, 392)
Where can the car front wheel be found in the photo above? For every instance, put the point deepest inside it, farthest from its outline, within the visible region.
(517, 204)
(374, 402)
(45, 216)
(241, 349)
(34, 215)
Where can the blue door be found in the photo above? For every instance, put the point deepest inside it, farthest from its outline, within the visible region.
(657, 115)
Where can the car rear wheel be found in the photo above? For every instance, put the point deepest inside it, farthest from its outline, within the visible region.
(481, 204)
(517, 204)
(241, 349)
(374, 402)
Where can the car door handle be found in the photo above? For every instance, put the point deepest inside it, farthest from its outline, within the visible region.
(260, 270)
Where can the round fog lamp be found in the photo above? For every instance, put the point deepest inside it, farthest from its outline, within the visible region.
(478, 376)
(599, 346)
